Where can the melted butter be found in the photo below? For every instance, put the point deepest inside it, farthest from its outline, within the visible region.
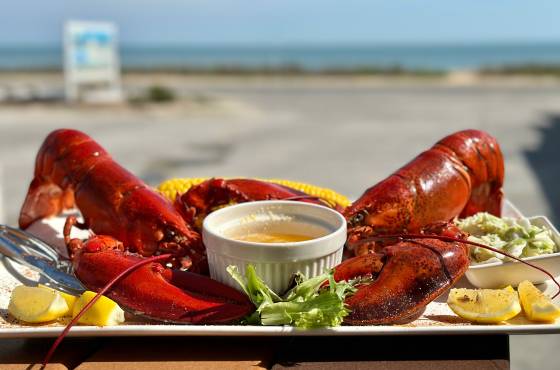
(269, 237)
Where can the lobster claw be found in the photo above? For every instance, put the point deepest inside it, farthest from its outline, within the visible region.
(155, 291)
(406, 277)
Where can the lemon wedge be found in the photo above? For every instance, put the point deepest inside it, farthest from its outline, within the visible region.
(486, 306)
(536, 305)
(509, 288)
(69, 298)
(36, 305)
(104, 312)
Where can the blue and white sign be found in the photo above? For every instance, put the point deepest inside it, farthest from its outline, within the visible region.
(91, 62)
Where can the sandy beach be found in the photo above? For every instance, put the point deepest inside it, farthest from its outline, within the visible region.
(345, 133)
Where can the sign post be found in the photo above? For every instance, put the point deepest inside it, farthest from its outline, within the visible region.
(91, 62)
(1, 197)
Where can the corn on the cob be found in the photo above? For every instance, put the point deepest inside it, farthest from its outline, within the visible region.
(170, 188)
(328, 195)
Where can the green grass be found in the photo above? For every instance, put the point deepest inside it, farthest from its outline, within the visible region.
(155, 94)
(295, 70)
(524, 69)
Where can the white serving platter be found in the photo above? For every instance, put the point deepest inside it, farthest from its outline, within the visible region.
(437, 318)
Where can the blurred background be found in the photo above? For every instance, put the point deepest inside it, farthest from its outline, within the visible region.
(338, 94)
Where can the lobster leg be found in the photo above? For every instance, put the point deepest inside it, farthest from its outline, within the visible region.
(407, 276)
(155, 291)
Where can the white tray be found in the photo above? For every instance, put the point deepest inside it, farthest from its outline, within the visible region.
(437, 319)
(422, 326)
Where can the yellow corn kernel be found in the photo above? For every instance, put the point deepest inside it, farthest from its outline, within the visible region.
(170, 189)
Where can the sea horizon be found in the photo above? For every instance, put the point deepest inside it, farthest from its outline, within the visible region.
(302, 57)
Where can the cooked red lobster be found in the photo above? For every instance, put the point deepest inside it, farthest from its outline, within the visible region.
(72, 169)
(461, 175)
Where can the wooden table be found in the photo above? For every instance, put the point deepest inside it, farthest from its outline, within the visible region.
(224, 353)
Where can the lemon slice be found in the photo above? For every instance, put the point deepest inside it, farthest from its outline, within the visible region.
(36, 305)
(486, 306)
(69, 298)
(536, 305)
(103, 312)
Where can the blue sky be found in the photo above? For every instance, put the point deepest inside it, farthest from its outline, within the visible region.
(289, 21)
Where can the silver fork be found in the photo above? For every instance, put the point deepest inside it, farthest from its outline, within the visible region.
(26, 249)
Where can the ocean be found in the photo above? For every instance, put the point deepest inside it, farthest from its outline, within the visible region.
(311, 58)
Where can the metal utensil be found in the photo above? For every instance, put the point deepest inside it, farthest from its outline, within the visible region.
(24, 248)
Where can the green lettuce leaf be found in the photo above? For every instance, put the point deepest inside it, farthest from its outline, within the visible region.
(311, 303)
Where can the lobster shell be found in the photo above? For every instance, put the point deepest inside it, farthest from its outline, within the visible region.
(460, 175)
(73, 170)
(155, 291)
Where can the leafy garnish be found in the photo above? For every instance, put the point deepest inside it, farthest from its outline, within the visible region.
(311, 303)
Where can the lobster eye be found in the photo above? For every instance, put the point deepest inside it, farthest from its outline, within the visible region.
(359, 217)
(169, 234)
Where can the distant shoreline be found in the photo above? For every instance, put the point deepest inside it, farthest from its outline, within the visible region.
(289, 70)
(378, 59)
(294, 70)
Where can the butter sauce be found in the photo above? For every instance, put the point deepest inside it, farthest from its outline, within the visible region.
(271, 237)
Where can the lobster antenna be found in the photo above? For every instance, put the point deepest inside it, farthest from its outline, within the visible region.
(406, 237)
(103, 290)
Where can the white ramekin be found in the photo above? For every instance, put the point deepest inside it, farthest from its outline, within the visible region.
(275, 263)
